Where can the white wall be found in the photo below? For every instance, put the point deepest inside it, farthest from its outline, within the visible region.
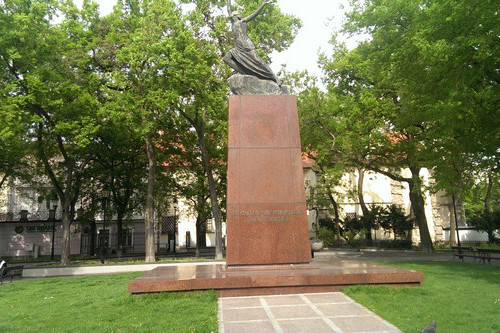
(468, 236)
(14, 244)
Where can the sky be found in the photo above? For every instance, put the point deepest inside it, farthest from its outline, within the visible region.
(319, 19)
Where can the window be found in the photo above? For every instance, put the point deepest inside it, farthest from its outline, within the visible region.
(351, 216)
(103, 238)
(128, 237)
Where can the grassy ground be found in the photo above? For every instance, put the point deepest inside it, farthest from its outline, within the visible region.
(462, 297)
(97, 261)
(101, 304)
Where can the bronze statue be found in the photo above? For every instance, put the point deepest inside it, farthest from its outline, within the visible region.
(243, 57)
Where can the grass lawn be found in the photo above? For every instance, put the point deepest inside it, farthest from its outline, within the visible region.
(101, 304)
(462, 297)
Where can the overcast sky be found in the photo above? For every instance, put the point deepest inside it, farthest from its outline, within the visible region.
(319, 19)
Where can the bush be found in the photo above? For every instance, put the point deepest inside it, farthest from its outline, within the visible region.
(394, 219)
(327, 236)
(351, 228)
(488, 222)
(395, 244)
(440, 245)
(327, 223)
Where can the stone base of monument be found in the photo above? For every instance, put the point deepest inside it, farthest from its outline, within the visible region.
(272, 279)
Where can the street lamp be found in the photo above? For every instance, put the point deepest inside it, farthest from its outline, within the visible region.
(105, 195)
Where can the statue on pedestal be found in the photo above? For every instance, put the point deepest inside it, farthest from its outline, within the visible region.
(244, 59)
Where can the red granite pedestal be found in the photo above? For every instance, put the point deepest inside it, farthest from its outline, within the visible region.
(266, 201)
(268, 248)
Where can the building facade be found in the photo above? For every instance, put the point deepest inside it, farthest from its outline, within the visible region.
(31, 226)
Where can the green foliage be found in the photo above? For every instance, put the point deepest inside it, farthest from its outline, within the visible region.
(449, 288)
(488, 222)
(475, 194)
(351, 228)
(394, 244)
(101, 304)
(327, 235)
(394, 219)
(327, 223)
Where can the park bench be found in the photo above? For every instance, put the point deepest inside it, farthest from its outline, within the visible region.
(462, 252)
(488, 254)
(10, 271)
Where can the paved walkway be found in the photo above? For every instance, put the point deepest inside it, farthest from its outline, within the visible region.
(48, 271)
(308, 313)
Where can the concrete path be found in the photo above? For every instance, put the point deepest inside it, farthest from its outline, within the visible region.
(50, 271)
(308, 313)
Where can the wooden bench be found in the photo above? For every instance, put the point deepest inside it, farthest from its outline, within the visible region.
(462, 252)
(10, 271)
(488, 254)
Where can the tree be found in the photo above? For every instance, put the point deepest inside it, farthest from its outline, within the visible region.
(161, 70)
(51, 87)
(119, 167)
(137, 53)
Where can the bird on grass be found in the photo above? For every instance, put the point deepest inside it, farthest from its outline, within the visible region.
(430, 329)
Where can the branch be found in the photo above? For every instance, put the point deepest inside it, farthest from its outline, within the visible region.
(4, 178)
(117, 88)
(189, 119)
(45, 161)
(328, 132)
(384, 172)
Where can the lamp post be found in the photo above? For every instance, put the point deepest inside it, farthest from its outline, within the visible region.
(105, 195)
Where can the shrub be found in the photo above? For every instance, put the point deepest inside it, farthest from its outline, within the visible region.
(353, 231)
(395, 244)
(327, 236)
(327, 223)
(394, 219)
(488, 222)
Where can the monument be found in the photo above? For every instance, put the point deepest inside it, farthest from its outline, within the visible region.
(266, 203)
(268, 248)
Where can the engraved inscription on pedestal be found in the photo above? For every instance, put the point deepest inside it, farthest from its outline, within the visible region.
(280, 215)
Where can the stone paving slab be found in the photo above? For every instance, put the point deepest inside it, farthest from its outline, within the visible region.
(309, 313)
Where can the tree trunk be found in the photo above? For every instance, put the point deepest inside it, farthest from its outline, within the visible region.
(335, 214)
(487, 199)
(453, 229)
(92, 237)
(119, 229)
(361, 199)
(418, 208)
(149, 227)
(201, 231)
(4, 178)
(460, 204)
(66, 221)
(213, 193)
